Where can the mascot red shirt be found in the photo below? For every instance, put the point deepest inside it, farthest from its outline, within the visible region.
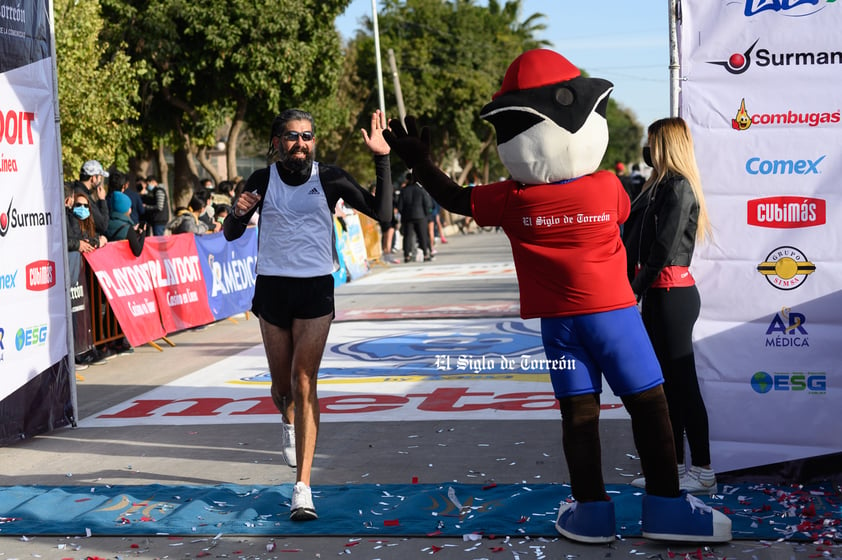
(568, 256)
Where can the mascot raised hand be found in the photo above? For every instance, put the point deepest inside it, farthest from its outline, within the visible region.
(563, 218)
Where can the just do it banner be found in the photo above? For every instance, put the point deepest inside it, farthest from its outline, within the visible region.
(760, 90)
(160, 292)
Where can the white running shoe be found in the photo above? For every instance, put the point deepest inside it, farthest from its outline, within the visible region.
(641, 482)
(698, 480)
(288, 441)
(301, 506)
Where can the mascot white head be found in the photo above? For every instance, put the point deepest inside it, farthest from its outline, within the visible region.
(550, 120)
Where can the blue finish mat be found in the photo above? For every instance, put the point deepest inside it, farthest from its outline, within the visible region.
(758, 512)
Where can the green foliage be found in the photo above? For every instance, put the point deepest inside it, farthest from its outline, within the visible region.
(625, 136)
(225, 63)
(451, 57)
(97, 89)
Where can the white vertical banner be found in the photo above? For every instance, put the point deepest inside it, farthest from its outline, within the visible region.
(760, 88)
(35, 381)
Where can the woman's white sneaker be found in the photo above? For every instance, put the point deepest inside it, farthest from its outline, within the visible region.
(698, 480)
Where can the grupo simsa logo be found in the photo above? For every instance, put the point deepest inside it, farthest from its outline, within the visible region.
(739, 62)
(812, 382)
(790, 8)
(786, 268)
(743, 120)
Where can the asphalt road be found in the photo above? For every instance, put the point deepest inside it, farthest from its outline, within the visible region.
(347, 453)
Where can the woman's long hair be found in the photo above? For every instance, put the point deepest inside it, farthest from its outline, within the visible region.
(88, 225)
(671, 148)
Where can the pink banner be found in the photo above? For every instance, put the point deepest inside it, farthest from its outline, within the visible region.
(160, 292)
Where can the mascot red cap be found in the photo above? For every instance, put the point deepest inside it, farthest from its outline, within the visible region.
(537, 68)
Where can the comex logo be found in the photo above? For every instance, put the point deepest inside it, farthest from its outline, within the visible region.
(786, 330)
(812, 381)
(786, 268)
(792, 8)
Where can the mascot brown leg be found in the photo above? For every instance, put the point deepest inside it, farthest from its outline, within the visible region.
(652, 434)
(582, 448)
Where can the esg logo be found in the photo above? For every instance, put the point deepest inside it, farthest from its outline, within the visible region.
(30, 336)
(763, 382)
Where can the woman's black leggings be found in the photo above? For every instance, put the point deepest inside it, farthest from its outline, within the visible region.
(669, 315)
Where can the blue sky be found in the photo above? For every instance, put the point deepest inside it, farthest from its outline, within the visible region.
(626, 42)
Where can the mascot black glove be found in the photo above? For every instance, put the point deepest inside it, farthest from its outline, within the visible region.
(413, 148)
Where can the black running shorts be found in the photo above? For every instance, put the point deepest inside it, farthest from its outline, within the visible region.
(280, 299)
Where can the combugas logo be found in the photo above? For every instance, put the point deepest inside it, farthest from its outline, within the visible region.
(739, 62)
(743, 120)
(786, 268)
(786, 212)
(791, 8)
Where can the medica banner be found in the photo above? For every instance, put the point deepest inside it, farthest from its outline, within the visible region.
(760, 88)
(35, 377)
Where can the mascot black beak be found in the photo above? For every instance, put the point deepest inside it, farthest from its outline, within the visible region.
(568, 104)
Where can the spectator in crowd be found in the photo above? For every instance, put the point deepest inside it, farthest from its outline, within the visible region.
(635, 181)
(414, 206)
(81, 237)
(187, 220)
(207, 213)
(293, 294)
(157, 206)
(92, 180)
(220, 212)
(224, 192)
(435, 226)
(121, 221)
(665, 223)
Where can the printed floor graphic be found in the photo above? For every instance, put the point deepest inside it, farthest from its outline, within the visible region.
(431, 369)
(758, 512)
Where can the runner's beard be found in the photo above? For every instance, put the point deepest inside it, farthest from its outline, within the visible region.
(297, 164)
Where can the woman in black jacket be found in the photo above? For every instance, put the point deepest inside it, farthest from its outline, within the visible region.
(666, 221)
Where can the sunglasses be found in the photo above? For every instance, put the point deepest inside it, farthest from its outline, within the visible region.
(293, 136)
(80, 204)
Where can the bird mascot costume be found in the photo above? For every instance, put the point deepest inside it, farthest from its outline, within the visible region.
(562, 217)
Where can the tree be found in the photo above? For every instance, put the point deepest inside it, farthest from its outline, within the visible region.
(97, 90)
(624, 136)
(451, 58)
(227, 64)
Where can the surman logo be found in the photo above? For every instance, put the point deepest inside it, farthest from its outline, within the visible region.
(737, 63)
(786, 268)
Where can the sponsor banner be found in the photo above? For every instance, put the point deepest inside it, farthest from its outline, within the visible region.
(228, 270)
(160, 292)
(760, 95)
(32, 290)
(354, 248)
(488, 369)
(127, 285)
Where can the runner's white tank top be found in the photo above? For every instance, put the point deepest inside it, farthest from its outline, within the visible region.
(295, 235)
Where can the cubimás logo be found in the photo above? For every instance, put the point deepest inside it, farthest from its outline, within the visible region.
(40, 275)
(786, 212)
(792, 8)
(786, 268)
(743, 120)
(739, 62)
(786, 330)
(812, 381)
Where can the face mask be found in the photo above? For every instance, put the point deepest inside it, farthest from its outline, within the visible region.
(647, 156)
(82, 212)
